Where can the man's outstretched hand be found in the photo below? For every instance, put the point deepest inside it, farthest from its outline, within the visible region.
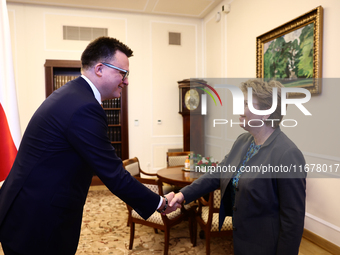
(172, 206)
(174, 201)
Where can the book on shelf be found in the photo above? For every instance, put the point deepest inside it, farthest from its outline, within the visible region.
(113, 117)
(112, 103)
(118, 149)
(114, 134)
(60, 80)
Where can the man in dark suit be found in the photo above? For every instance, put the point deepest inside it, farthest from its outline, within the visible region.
(42, 199)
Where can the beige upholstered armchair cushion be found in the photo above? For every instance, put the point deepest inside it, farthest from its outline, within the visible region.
(227, 224)
(177, 160)
(133, 168)
(156, 216)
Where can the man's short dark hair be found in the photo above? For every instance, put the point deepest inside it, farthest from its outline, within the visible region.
(102, 49)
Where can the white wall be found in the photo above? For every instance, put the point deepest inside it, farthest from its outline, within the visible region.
(316, 136)
(155, 68)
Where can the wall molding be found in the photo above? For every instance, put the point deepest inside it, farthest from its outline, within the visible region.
(334, 171)
(323, 243)
(323, 222)
(321, 156)
(152, 168)
(167, 136)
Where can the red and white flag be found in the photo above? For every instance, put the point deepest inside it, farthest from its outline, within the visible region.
(10, 134)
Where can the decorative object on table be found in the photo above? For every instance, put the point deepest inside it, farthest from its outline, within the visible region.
(292, 52)
(202, 163)
(187, 163)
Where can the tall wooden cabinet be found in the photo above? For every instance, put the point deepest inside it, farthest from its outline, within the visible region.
(190, 91)
(59, 72)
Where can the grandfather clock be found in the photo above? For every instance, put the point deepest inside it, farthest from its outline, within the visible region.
(190, 108)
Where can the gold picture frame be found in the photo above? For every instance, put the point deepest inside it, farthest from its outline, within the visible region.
(293, 51)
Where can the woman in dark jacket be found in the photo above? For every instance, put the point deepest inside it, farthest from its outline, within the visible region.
(262, 182)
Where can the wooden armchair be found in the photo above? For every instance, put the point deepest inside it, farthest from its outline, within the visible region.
(156, 220)
(133, 167)
(207, 217)
(174, 159)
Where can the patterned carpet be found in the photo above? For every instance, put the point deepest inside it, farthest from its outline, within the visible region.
(104, 231)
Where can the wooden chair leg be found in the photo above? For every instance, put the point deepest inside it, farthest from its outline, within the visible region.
(191, 226)
(132, 234)
(194, 234)
(207, 243)
(166, 241)
(193, 229)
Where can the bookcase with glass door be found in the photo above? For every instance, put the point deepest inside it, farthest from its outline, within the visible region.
(59, 72)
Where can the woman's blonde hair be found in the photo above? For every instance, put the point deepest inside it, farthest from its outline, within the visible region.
(263, 91)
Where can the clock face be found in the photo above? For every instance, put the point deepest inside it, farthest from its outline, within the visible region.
(192, 99)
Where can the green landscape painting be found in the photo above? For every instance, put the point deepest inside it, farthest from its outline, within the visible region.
(290, 57)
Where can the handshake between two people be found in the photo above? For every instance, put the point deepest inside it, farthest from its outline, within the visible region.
(174, 202)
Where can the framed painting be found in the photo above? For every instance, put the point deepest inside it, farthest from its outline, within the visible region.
(292, 52)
